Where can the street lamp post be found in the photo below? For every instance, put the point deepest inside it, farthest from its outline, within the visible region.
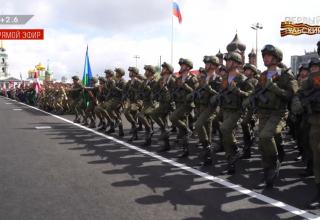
(256, 27)
(136, 57)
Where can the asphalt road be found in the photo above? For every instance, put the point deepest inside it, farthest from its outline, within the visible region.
(53, 169)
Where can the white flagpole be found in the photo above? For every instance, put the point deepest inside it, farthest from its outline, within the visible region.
(171, 32)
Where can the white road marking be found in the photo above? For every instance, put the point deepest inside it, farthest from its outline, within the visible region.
(8, 103)
(252, 194)
(43, 127)
(17, 109)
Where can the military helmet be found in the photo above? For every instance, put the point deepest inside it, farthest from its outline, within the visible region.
(274, 51)
(150, 68)
(120, 71)
(94, 79)
(133, 69)
(251, 67)
(102, 79)
(223, 68)
(109, 72)
(303, 66)
(233, 56)
(211, 59)
(314, 61)
(186, 62)
(167, 66)
(202, 71)
(75, 78)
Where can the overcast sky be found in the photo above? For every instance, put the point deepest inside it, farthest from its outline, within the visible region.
(117, 30)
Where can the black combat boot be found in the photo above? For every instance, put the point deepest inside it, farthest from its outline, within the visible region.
(102, 127)
(111, 129)
(76, 120)
(205, 154)
(184, 148)
(247, 149)
(121, 133)
(148, 138)
(92, 124)
(134, 134)
(84, 121)
(272, 172)
(232, 159)
(164, 140)
(279, 144)
(315, 203)
(140, 128)
(173, 129)
(309, 169)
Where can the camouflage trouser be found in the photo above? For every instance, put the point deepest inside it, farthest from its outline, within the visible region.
(203, 124)
(179, 118)
(230, 119)
(159, 114)
(144, 115)
(77, 106)
(131, 111)
(314, 140)
(90, 111)
(113, 109)
(270, 125)
(247, 126)
(101, 111)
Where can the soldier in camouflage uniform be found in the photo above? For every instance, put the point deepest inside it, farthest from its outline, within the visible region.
(275, 89)
(133, 103)
(233, 90)
(166, 85)
(311, 101)
(185, 85)
(92, 102)
(76, 95)
(146, 91)
(115, 102)
(209, 84)
(248, 120)
(101, 98)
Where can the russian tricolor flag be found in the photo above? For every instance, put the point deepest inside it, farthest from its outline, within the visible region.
(176, 11)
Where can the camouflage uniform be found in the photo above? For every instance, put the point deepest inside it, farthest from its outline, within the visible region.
(311, 101)
(233, 90)
(146, 91)
(134, 104)
(273, 93)
(76, 95)
(166, 85)
(248, 120)
(115, 102)
(185, 85)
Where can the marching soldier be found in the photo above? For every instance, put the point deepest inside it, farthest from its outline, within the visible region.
(233, 90)
(311, 101)
(101, 98)
(134, 104)
(115, 103)
(76, 95)
(163, 96)
(146, 91)
(92, 102)
(275, 89)
(248, 121)
(209, 84)
(185, 84)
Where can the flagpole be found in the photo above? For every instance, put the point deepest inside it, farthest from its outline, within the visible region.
(171, 34)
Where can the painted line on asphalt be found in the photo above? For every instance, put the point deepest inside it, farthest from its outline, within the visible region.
(223, 182)
(43, 127)
(17, 109)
